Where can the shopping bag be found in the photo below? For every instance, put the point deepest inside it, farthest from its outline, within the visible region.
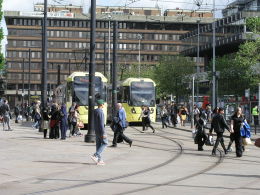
(80, 124)
(19, 118)
(246, 141)
(193, 133)
(209, 141)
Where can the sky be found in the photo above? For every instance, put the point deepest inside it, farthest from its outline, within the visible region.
(27, 5)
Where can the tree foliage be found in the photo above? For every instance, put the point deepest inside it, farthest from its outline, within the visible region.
(171, 75)
(253, 24)
(2, 60)
(241, 70)
(133, 71)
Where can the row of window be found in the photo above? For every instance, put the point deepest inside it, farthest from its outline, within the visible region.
(67, 56)
(84, 45)
(85, 34)
(35, 77)
(51, 66)
(100, 24)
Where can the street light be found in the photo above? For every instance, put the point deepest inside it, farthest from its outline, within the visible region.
(139, 36)
(198, 56)
(214, 59)
(109, 46)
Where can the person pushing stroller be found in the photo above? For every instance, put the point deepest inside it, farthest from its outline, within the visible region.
(201, 136)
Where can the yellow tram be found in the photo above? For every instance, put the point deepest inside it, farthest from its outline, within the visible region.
(76, 90)
(135, 93)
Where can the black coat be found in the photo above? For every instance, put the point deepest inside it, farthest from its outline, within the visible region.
(219, 124)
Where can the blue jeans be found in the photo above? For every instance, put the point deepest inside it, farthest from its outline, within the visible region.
(101, 144)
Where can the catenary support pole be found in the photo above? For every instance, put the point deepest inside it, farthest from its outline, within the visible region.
(44, 59)
(29, 79)
(214, 59)
(114, 72)
(90, 137)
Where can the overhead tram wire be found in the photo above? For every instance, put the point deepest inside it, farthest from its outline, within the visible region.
(190, 3)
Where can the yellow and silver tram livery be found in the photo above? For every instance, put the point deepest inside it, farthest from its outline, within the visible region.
(135, 93)
(76, 90)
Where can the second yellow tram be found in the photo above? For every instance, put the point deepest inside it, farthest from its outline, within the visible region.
(135, 93)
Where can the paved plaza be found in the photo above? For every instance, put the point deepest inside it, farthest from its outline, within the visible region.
(166, 162)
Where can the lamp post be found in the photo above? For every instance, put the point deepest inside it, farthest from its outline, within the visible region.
(139, 36)
(214, 59)
(23, 87)
(105, 56)
(29, 79)
(198, 56)
(192, 104)
(109, 46)
(44, 59)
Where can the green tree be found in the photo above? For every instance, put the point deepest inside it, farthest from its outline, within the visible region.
(171, 75)
(2, 60)
(132, 71)
(232, 79)
(253, 24)
(241, 70)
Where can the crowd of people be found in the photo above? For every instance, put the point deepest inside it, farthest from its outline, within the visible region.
(53, 119)
(56, 120)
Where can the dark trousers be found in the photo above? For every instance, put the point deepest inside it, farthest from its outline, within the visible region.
(221, 140)
(16, 118)
(144, 123)
(120, 132)
(54, 132)
(238, 144)
(201, 138)
(45, 133)
(63, 129)
(174, 119)
(164, 119)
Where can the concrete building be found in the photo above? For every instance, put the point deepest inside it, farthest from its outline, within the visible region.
(138, 11)
(68, 44)
(241, 5)
(188, 13)
(39, 7)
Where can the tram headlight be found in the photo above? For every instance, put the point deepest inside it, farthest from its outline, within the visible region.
(152, 110)
(133, 111)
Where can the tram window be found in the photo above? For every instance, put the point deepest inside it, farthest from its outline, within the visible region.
(125, 97)
(142, 93)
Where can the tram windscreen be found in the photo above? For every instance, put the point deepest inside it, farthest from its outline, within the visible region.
(80, 88)
(142, 93)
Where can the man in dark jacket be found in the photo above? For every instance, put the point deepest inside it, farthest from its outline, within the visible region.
(101, 135)
(219, 125)
(120, 127)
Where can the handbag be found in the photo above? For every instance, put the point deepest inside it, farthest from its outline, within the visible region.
(245, 130)
(209, 141)
(193, 133)
(80, 124)
(246, 141)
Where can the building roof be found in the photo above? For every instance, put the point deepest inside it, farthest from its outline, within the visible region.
(132, 18)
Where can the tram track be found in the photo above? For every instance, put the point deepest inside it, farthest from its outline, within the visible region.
(173, 158)
(219, 161)
(108, 180)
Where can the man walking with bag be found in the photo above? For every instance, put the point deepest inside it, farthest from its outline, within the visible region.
(101, 135)
(219, 125)
(120, 127)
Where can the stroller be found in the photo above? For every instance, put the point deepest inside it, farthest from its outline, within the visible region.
(201, 137)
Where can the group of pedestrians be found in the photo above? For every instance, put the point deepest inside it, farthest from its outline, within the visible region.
(55, 119)
(119, 124)
(173, 114)
(219, 125)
